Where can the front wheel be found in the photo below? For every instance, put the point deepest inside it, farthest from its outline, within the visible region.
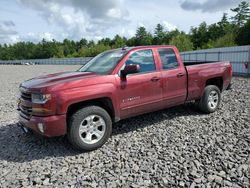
(210, 100)
(89, 128)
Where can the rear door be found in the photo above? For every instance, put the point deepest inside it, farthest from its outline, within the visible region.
(174, 77)
(140, 92)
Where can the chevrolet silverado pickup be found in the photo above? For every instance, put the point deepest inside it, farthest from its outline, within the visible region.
(115, 85)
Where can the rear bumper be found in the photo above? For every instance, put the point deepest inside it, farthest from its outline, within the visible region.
(52, 125)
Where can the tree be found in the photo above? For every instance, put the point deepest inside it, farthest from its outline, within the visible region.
(182, 42)
(224, 41)
(45, 49)
(224, 20)
(200, 35)
(169, 35)
(69, 47)
(215, 31)
(143, 37)
(91, 43)
(59, 52)
(131, 42)
(81, 44)
(242, 14)
(159, 35)
(105, 41)
(225, 25)
(118, 42)
(93, 51)
(243, 36)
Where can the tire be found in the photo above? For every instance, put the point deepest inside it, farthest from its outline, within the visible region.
(89, 128)
(210, 100)
(229, 87)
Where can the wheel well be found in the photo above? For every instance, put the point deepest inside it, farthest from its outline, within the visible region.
(105, 103)
(218, 81)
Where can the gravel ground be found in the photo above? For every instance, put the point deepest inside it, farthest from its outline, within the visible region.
(178, 147)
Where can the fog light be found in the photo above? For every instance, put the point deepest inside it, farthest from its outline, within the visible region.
(40, 127)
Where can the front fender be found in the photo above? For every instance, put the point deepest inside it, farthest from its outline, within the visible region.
(67, 97)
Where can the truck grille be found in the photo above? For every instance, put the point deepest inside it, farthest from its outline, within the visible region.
(24, 106)
(26, 96)
(26, 112)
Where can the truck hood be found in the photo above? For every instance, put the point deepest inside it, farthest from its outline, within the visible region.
(42, 83)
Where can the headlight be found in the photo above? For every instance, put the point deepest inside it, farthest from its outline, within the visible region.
(40, 98)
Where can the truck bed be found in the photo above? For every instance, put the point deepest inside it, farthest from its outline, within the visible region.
(199, 72)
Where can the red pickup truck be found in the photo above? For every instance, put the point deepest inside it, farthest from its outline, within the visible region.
(115, 85)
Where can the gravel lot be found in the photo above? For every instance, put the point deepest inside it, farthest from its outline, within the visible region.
(178, 147)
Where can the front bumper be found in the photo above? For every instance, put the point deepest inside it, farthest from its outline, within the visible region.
(53, 125)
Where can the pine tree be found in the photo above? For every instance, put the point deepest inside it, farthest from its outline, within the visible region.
(159, 34)
(242, 37)
(224, 21)
(242, 14)
(143, 37)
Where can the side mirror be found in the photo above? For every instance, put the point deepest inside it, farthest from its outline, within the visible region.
(130, 69)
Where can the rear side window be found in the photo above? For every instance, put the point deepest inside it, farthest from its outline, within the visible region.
(168, 58)
(144, 58)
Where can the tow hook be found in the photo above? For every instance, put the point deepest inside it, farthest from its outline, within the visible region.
(25, 130)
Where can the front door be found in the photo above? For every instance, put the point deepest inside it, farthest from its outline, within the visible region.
(140, 92)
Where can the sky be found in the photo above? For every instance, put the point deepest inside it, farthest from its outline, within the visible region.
(33, 20)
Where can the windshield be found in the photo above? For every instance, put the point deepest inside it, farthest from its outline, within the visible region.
(104, 63)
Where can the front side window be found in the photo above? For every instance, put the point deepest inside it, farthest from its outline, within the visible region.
(168, 58)
(144, 58)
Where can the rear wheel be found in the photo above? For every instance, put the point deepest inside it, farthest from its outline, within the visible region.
(89, 128)
(210, 100)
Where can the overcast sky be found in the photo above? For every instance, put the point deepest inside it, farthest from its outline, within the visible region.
(32, 20)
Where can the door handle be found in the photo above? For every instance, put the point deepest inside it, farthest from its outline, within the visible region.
(155, 79)
(180, 75)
